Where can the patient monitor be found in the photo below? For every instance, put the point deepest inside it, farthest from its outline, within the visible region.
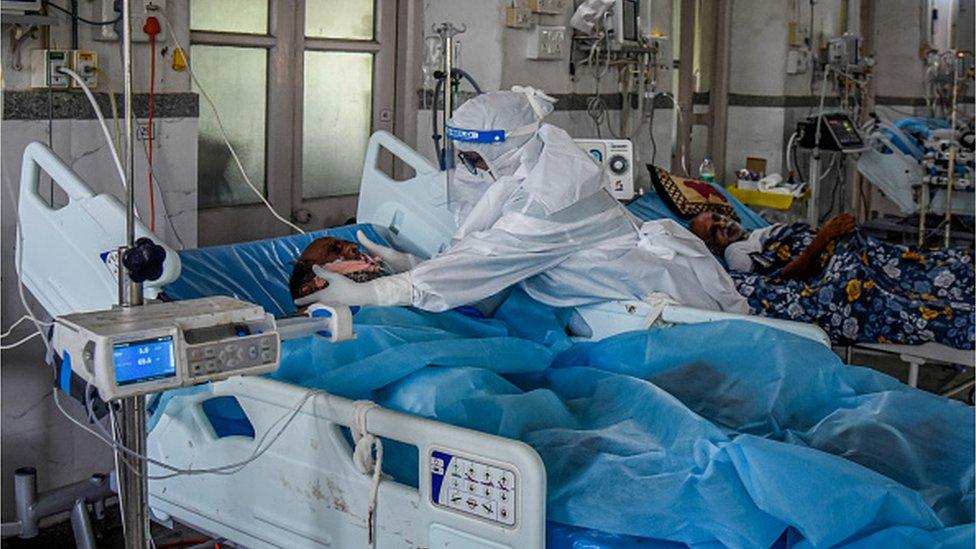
(138, 350)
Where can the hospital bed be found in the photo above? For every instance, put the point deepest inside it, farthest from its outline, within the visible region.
(651, 206)
(307, 490)
(894, 164)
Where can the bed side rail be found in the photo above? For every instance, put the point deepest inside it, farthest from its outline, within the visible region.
(67, 256)
(414, 211)
(306, 492)
(614, 317)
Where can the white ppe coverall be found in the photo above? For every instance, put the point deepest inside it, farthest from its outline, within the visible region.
(542, 218)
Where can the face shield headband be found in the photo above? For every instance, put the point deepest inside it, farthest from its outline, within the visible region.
(491, 136)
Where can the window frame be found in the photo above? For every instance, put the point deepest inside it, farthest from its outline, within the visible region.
(286, 44)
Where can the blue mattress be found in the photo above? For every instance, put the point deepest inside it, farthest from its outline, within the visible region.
(726, 433)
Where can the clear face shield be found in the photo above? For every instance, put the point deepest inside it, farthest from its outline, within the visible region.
(478, 156)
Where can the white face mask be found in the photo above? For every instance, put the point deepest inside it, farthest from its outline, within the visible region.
(466, 189)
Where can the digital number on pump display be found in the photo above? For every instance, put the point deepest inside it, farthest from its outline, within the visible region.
(144, 360)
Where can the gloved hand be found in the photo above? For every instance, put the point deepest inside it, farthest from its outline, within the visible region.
(388, 291)
(398, 262)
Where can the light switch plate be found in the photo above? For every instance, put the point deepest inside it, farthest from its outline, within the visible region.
(547, 43)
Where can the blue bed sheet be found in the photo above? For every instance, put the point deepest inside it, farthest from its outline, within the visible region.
(727, 433)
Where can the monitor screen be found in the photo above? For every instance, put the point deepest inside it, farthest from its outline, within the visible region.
(144, 360)
(629, 32)
(843, 130)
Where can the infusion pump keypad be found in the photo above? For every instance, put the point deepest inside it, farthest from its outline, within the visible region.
(225, 357)
(473, 487)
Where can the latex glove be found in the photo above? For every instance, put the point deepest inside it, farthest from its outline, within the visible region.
(388, 291)
(398, 262)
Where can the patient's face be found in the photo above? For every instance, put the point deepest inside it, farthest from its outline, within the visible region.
(717, 231)
(322, 251)
(328, 249)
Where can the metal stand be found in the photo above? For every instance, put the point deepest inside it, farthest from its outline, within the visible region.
(31, 507)
(133, 489)
(447, 32)
(813, 208)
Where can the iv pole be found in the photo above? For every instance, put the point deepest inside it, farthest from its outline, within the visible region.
(133, 501)
(447, 32)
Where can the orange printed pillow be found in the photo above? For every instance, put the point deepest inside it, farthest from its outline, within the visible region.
(689, 197)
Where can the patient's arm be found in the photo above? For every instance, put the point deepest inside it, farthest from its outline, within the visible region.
(806, 264)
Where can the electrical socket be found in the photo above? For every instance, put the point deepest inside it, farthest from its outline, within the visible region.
(141, 9)
(85, 63)
(142, 131)
(518, 18)
(547, 43)
(45, 68)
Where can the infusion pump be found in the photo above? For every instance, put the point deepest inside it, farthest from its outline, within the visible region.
(617, 158)
(137, 350)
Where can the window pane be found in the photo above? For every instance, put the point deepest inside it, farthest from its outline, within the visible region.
(349, 19)
(248, 16)
(235, 78)
(336, 121)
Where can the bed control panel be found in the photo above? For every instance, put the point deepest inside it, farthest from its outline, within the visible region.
(474, 487)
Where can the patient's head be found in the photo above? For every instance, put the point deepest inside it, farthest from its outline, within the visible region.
(326, 251)
(716, 230)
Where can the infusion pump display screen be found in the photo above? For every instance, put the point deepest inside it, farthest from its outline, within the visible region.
(144, 360)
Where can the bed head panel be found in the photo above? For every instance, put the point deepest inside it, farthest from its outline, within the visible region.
(65, 255)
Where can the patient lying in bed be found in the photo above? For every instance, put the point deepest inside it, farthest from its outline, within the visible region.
(336, 255)
(855, 287)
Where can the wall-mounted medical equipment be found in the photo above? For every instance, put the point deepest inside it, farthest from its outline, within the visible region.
(625, 29)
(617, 158)
(837, 133)
(618, 21)
(844, 52)
(139, 350)
(833, 131)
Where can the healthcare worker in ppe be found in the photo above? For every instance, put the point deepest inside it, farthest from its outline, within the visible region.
(533, 209)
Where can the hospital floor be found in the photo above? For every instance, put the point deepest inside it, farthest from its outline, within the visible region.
(108, 534)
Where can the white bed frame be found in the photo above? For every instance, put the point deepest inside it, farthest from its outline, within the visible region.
(305, 491)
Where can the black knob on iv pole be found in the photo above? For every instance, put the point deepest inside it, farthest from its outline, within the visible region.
(144, 260)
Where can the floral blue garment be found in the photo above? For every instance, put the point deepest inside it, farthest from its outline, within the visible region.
(868, 291)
